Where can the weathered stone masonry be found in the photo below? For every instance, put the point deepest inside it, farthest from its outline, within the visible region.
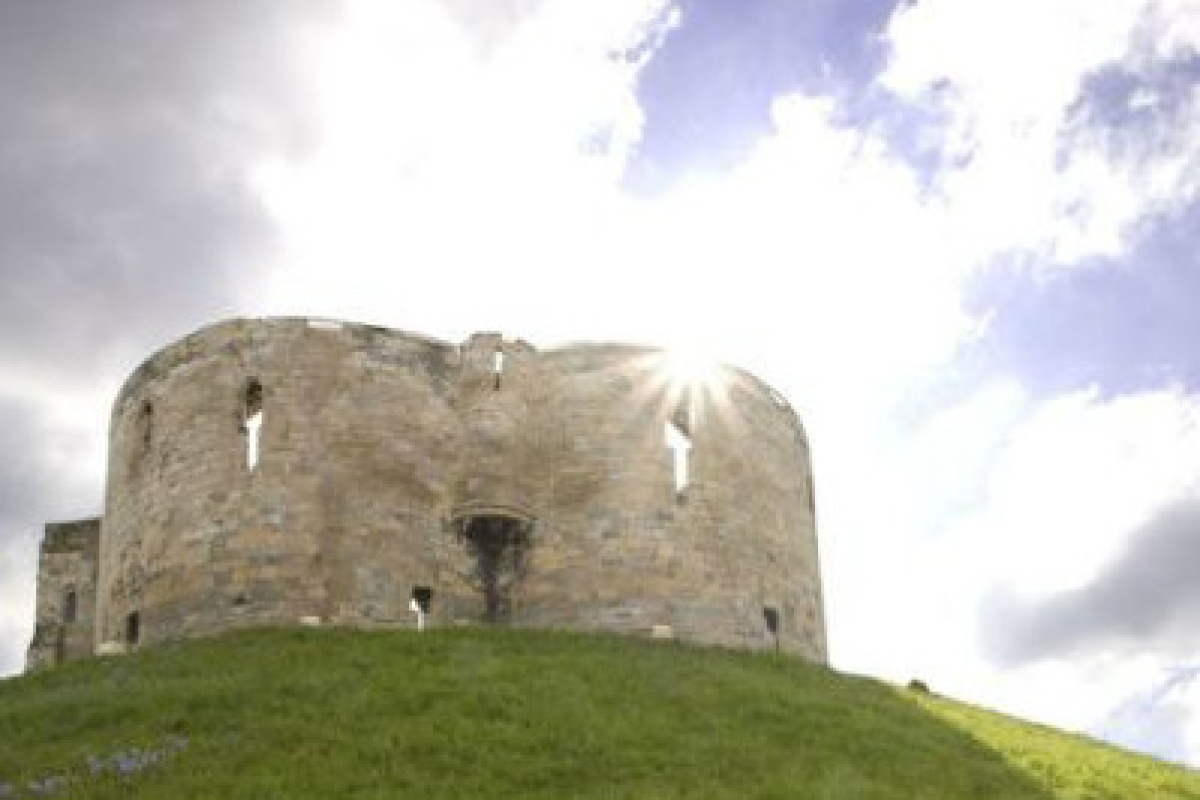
(282, 470)
(66, 593)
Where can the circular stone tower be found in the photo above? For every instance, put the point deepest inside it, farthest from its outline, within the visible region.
(284, 470)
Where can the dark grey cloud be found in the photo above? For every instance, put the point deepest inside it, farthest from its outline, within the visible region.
(127, 128)
(34, 486)
(126, 131)
(1148, 596)
(26, 479)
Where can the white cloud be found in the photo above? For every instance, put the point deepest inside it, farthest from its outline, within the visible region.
(66, 477)
(454, 154)
(1009, 74)
(1047, 494)
(1161, 719)
(1014, 62)
(1079, 475)
(494, 201)
(17, 595)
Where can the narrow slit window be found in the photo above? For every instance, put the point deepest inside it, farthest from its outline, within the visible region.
(423, 597)
(771, 617)
(132, 628)
(497, 366)
(252, 420)
(146, 427)
(141, 440)
(422, 601)
(681, 445)
(70, 606)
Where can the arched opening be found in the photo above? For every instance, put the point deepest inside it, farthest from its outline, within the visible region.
(499, 545)
(771, 617)
(252, 421)
(133, 628)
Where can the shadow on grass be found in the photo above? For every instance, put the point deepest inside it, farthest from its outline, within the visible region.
(1080, 765)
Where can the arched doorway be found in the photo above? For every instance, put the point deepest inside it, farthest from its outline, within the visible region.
(498, 544)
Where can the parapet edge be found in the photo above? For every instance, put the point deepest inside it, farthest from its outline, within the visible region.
(71, 535)
(178, 351)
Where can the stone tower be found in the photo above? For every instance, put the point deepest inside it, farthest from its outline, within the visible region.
(271, 471)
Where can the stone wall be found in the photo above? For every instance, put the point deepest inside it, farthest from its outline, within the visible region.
(517, 486)
(66, 593)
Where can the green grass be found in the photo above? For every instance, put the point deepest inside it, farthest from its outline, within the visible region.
(491, 713)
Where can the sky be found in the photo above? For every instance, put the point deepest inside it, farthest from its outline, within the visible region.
(960, 237)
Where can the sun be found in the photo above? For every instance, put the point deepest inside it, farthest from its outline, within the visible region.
(690, 368)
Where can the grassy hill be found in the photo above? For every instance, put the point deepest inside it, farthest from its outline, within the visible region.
(493, 713)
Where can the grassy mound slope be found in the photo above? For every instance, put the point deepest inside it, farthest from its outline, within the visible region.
(493, 713)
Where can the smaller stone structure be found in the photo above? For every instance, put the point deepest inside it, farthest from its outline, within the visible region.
(66, 593)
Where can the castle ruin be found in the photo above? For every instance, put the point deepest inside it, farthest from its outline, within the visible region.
(280, 471)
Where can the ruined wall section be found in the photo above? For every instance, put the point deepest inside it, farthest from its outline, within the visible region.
(386, 460)
(64, 627)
